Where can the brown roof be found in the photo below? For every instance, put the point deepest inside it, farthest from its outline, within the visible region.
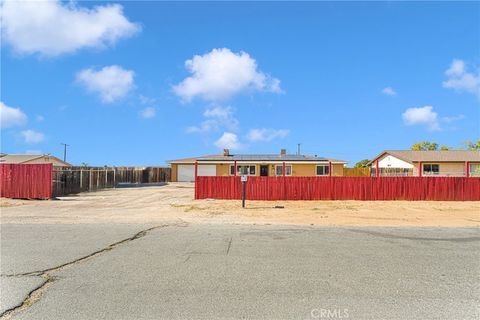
(191, 160)
(258, 157)
(433, 156)
(23, 158)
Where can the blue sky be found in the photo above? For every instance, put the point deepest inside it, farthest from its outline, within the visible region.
(138, 83)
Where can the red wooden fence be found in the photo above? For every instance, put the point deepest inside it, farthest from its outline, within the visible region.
(340, 188)
(26, 181)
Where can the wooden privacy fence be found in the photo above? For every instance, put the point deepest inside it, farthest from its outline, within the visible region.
(27, 181)
(340, 188)
(68, 180)
(42, 181)
(356, 172)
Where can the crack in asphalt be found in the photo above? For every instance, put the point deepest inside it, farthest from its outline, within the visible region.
(228, 247)
(34, 295)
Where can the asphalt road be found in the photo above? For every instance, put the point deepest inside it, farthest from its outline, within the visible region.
(201, 271)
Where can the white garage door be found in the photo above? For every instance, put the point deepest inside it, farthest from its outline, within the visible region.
(186, 172)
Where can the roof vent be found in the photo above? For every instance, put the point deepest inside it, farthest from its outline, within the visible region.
(283, 152)
(226, 152)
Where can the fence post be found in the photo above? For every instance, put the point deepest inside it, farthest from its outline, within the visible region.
(196, 170)
(283, 168)
(106, 177)
(90, 180)
(196, 180)
(377, 169)
(467, 169)
(81, 179)
(235, 168)
(329, 168)
(50, 191)
(114, 177)
(419, 168)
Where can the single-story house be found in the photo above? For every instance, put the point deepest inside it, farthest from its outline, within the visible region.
(33, 159)
(431, 163)
(255, 165)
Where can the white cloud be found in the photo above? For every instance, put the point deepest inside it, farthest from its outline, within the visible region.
(389, 91)
(148, 113)
(229, 141)
(221, 74)
(31, 136)
(11, 117)
(460, 80)
(216, 118)
(453, 118)
(147, 100)
(266, 135)
(218, 112)
(422, 116)
(52, 28)
(39, 118)
(111, 82)
(457, 68)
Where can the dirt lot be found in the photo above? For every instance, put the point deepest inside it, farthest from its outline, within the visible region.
(175, 201)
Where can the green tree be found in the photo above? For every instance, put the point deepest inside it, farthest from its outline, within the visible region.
(424, 146)
(362, 163)
(445, 148)
(475, 146)
(84, 164)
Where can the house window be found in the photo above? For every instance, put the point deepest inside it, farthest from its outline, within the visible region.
(278, 170)
(322, 170)
(431, 169)
(245, 170)
(474, 170)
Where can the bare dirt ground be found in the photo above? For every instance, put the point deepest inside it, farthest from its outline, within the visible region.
(175, 201)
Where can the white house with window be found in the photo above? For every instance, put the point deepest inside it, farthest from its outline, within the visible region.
(444, 163)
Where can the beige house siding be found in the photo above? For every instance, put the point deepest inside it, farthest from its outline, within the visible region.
(337, 169)
(223, 169)
(298, 170)
(446, 168)
(303, 170)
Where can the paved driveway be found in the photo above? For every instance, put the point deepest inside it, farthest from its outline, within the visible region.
(202, 271)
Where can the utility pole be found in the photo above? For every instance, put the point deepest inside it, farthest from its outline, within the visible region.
(298, 148)
(65, 151)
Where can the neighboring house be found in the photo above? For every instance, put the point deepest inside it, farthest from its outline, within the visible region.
(33, 159)
(255, 165)
(432, 163)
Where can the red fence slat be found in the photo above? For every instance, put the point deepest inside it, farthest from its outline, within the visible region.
(340, 188)
(26, 181)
